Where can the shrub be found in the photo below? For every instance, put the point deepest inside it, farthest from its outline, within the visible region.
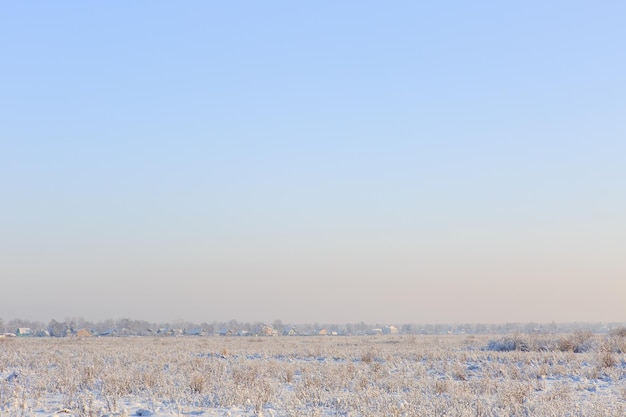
(619, 332)
(579, 342)
(606, 358)
(508, 344)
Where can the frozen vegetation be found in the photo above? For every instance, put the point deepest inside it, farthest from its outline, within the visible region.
(576, 374)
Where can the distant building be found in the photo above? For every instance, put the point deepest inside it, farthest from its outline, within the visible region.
(23, 331)
(108, 332)
(290, 332)
(83, 333)
(226, 332)
(196, 332)
(390, 330)
(268, 330)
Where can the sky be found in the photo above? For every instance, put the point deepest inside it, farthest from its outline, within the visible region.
(313, 162)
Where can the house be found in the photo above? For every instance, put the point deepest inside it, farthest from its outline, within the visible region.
(226, 332)
(23, 331)
(268, 330)
(108, 332)
(196, 332)
(390, 330)
(83, 333)
(290, 332)
(174, 332)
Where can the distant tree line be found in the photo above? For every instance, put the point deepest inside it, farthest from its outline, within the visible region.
(130, 327)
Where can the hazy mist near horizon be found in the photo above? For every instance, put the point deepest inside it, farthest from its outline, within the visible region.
(327, 162)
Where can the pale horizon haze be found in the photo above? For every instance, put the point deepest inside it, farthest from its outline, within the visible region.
(327, 162)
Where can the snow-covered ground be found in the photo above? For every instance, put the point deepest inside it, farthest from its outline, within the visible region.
(544, 375)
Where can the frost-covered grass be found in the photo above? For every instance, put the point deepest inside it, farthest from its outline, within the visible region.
(546, 375)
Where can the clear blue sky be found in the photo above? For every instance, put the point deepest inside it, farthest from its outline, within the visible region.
(320, 162)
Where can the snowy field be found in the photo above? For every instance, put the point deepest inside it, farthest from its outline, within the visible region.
(525, 375)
